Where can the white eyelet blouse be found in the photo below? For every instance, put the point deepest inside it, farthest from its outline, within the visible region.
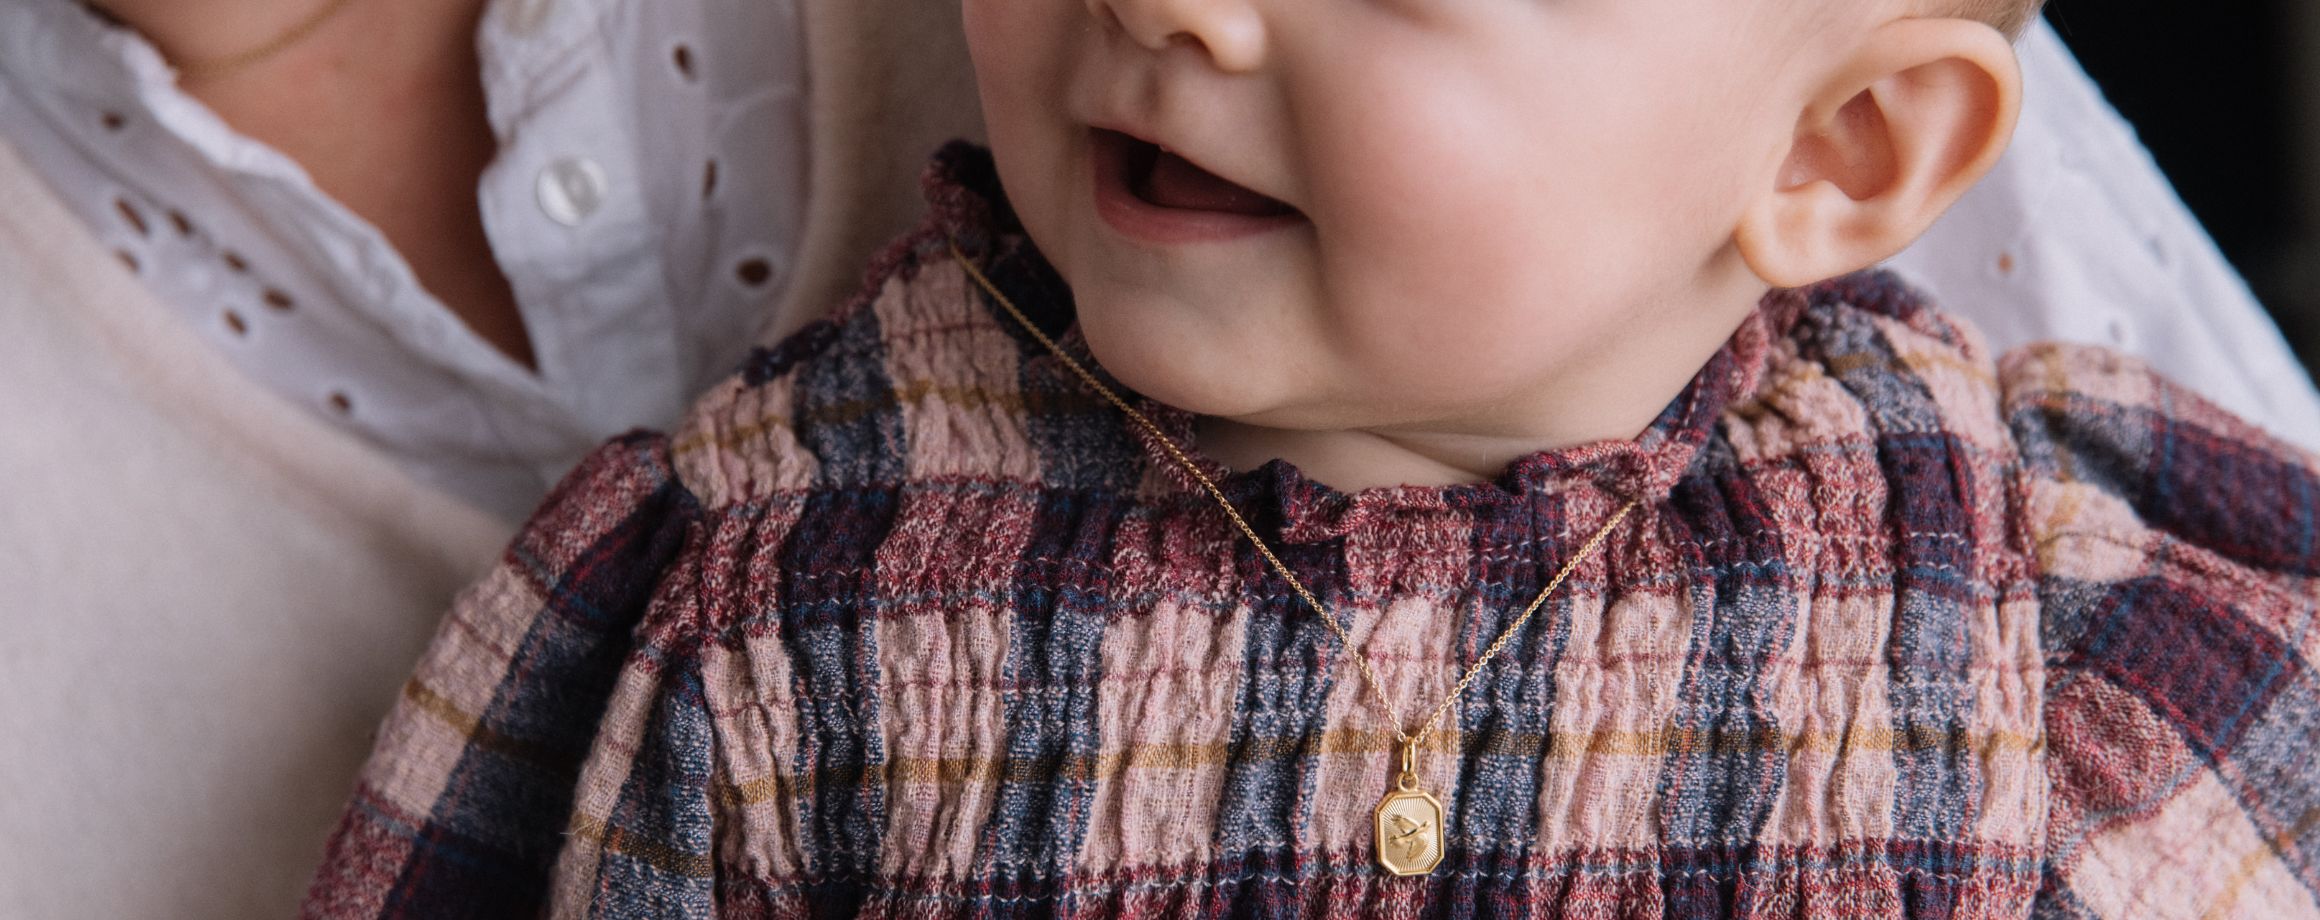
(644, 205)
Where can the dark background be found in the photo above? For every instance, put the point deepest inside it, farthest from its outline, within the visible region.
(2227, 96)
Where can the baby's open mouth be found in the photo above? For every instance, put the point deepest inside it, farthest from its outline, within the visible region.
(1162, 179)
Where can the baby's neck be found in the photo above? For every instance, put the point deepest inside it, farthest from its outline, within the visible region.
(1360, 459)
(1434, 455)
(1615, 399)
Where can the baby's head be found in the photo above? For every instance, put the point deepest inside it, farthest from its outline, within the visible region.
(1522, 220)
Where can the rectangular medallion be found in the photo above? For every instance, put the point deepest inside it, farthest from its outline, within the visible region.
(1409, 832)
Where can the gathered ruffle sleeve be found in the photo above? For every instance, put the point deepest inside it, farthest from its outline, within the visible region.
(2176, 549)
(555, 688)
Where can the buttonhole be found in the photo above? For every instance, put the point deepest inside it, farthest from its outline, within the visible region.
(754, 271)
(130, 213)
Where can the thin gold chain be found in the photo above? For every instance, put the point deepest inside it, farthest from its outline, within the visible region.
(1408, 739)
(217, 67)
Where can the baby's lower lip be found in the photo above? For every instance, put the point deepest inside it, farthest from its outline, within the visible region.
(1121, 162)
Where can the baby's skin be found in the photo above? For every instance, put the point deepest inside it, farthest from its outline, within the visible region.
(1409, 241)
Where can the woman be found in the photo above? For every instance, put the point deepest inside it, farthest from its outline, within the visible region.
(308, 301)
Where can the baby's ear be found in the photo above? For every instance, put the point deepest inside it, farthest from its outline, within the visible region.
(1890, 141)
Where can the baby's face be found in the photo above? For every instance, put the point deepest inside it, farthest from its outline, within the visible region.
(1378, 213)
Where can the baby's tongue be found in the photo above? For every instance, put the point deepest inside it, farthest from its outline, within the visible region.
(1176, 183)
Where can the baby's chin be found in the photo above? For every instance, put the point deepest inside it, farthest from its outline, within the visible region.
(1255, 400)
(1215, 363)
(1190, 385)
(1257, 387)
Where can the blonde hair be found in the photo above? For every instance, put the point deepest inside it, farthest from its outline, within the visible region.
(2010, 16)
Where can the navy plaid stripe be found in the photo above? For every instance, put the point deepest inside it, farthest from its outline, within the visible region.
(1511, 704)
(1062, 602)
(665, 806)
(828, 623)
(2202, 485)
(2271, 772)
(847, 412)
(1931, 527)
(1720, 783)
(1292, 662)
(507, 801)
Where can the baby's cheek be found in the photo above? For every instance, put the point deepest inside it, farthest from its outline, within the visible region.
(1020, 60)
(1459, 190)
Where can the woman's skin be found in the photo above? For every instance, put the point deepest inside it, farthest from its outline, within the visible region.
(382, 103)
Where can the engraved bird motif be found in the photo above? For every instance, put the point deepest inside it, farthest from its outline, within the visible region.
(1407, 836)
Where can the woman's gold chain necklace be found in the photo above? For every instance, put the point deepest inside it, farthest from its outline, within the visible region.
(215, 68)
(1409, 821)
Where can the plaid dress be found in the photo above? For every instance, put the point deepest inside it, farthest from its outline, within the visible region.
(904, 622)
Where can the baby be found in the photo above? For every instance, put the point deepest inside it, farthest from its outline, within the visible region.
(1398, 458)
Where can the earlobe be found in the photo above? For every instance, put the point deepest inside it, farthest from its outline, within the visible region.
(1921, 111)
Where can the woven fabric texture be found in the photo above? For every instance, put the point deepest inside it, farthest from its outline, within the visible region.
(904, 622)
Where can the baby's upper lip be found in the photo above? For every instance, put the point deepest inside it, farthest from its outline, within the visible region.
(1135, 132)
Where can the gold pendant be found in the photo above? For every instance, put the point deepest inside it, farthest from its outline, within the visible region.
(1409, 823)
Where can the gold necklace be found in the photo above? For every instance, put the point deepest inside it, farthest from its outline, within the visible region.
(215, 68)
(1409, 821)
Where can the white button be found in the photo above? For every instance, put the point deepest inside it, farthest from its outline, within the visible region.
(571, 189)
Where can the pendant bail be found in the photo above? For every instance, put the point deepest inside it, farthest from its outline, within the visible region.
(1409, 778)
